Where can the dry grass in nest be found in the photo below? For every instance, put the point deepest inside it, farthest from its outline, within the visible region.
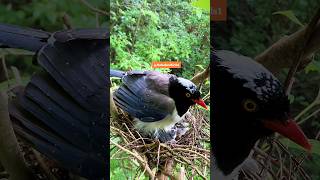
(275, 161)
(160, 159)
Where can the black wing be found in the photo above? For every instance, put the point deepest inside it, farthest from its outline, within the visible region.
(140, 96)
(63, 111)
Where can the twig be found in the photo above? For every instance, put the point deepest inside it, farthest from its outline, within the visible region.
(43, 165)
(301, 49)
(200, 77)
(308, 117)
(207, 96)
(92, 8)
(158, 155)
(67, 21)
(138, 157)
(3, 60)
(97, 20)
(17, 76)
(314, 103)
(188, 150)
(318, 135)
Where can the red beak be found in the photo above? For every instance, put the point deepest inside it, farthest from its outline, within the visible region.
(290, 130)
(201, 103)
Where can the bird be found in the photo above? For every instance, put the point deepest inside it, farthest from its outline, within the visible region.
(249, 104)
(156, 101)
(63, 111)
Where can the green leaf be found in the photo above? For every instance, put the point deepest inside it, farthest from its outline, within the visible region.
(291, 98)
(290, 15)
(315, 145)
(314, 66)
(200, 66)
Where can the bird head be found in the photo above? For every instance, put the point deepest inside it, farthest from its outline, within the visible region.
(185, 94)
(249, 104)
(190, 92)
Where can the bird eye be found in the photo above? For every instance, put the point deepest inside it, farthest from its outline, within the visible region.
(249, 105)
(188, 95)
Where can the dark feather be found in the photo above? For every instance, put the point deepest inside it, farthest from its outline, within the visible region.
(15, 37)
(80, 67)
(141, 98)
(51, 143)
(63, 111)
(116, 73)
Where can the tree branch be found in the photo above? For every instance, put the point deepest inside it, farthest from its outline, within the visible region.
(10, 153)
(300, 51)
(284, 52)
(200, 77)
(94, 9)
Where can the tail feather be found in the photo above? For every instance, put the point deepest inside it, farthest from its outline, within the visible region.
(24, 38)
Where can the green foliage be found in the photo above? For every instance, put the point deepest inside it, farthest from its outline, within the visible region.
(47, 15)
(146, 31)
(126, 167)
(290, 15)
(12, 82)
(253, 27)
(315, 145)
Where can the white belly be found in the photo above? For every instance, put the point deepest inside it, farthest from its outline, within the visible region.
(167, 123)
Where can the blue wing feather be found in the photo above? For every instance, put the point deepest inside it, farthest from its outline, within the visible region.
(137, 98)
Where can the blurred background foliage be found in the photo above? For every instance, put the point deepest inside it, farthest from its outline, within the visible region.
(46, 15)
(252, 26)
(143, 31)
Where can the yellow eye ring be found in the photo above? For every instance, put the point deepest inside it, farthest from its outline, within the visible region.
(188, 95)
(250, 105)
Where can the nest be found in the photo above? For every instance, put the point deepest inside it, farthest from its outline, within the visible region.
(272, 160)
(190, 152)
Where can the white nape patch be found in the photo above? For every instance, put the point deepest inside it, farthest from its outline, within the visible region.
(186, 83)
(167, 123)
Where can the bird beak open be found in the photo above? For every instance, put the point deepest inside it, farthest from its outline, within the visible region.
(289, 129)
(201, 103)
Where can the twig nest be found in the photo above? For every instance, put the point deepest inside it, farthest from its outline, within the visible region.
(190, 150)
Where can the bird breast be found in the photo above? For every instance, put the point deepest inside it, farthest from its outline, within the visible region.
(166, 123)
